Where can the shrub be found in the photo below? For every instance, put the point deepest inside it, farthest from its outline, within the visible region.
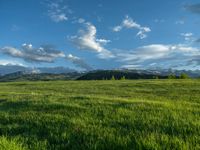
(155, 77)
(123, 78)
(172, 76)
(113, 78)
(184, 76)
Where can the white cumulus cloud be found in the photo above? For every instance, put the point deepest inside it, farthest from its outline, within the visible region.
(129, 23)
(87, 40)
(29, 53)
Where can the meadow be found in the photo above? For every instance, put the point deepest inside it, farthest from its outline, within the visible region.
(84, 115)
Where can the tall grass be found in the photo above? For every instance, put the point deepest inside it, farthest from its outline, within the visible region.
(143, 114)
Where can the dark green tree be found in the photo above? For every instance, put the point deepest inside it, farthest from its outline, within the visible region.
(184, 76)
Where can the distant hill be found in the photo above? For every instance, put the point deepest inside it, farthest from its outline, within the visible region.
(96, 74)
(22, 76)
(38, 75)
(9, 69)
(118, 74)
(93, 75)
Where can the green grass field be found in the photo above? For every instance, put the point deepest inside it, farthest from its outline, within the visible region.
(140, 114)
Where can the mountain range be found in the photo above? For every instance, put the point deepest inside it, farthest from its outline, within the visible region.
(8, 69)
(22, 73)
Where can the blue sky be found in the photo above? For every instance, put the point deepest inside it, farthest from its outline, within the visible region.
(100, 34)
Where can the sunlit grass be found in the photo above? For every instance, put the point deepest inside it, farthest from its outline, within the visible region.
(142, 114)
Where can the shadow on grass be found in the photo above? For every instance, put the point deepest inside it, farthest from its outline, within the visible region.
(3, 100)
(36, 122)
(41, 106)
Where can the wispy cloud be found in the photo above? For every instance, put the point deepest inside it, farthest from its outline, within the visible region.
(78, 62)
(161, 54)
(128, 23)
(159, 20)
(28, 53)
(15, 28)
(131, 66)
(194, 8)
(58, 11)
(188, 36)
(81, 20)
(87, 40)
(11, 63)
(197, 40)
(180, 22)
